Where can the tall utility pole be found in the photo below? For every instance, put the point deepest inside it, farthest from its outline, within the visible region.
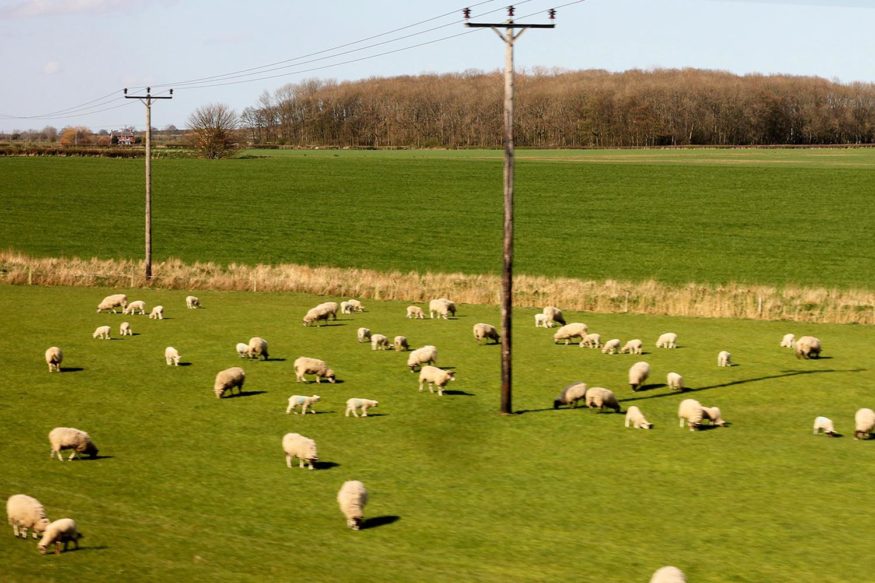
(512, 32)
(147, 101)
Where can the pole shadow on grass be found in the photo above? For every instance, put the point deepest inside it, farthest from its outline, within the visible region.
(378, 521)
(274, 359)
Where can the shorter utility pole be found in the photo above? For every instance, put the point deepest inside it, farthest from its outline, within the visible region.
(147, 101)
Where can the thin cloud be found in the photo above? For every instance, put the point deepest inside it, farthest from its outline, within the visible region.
(40, 8)
(52, 67)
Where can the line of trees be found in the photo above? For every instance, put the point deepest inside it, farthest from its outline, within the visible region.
(560, 109)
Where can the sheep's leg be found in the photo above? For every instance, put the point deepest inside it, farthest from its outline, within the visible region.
(364, 411)
(288, 461)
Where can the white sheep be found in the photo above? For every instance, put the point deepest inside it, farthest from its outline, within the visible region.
(330, 308)
(352, 498)
(102, 332)
(611, 346)
(422, 356)
(570, 331)
(435, 377)
(824, 424)
(356, 404)
(379, 342)
(724, 358)
(571, 395)
(667, 340)
(636, 419)
(54, 358)
(442, 308)
(112, 302)
(674, 381)
(228, 380)
(257, 348)
(415, 312)
(553, 316)
(60, 531)
(25, 512)
(633, 346)
(602, 398)
(305, 365)
(296, 445)
(62, 438)
(171, 356)
(135, 307)
(242, 350)
(302, 401)
(157, 313)
(540, 321)
(788, 341)
(363, 334)
(713, 415)
(864, 423)
(638, 373)
(808, 347)
(690, 412)
(400, 344)
(592, 340)
(124, 329)
(350, 306)
(486, 332)
(192, 302)
(321, 313)
(668, 574)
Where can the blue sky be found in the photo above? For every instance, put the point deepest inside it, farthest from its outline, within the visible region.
(58, 55)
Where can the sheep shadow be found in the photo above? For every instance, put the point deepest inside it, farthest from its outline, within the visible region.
(184, 364)
(321, 465)
(378, 521)
(457, 393)
(72, 369)
(244, 394)
(85, 549)
(274, 359)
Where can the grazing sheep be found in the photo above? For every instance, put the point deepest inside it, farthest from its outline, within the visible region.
(667, 340)
(305, 365)
(442, 308)
(102, 332)
(638, 373)
(571, 395)
(112, 302)
(540, 321)
(713, 415)
(553, 315)
(62, 438)
(668, 575)
(400, 344)
(25, 512)
(808, 347)
(486, 331)
(302, 401)
(864, 423)
(363, 334)
(192, 302)
(350, 306)
(345, 308)
(570, 331)
(242, 350)
(257, 348)
(135, 307)
(422, 356)
(354, 404)
(60, 531)
(54, 358)
(379, 342)
(788, 341)
(602, 398)
(157, 313)
(611, 346)
(636, 419)
(633, 346)
(352, 498)
(415, 312)
(435, 377)
(296, 445)
(674, 381)
(591, 341)
(227, 380)
(724, 358)
(329, 308)
(321, 313)
(824, 424)
(690, 412)
(171, 356)
(124, 329)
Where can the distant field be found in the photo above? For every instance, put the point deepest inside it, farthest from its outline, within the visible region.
(754, 216)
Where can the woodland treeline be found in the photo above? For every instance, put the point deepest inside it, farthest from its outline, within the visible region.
(559, 109)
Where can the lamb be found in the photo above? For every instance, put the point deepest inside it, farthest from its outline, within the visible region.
(257, 348)
(296, 445)
(192, 302)
(667, 340)
(540, 321)
(674, 381)
(422, 356)
(102, 332)
(125, 329)
(112, 302)
(636, 419)
(354, 404)
(363, 334)
(54, 358)
(242, 350)
(25, 512)
(379, 342)
(724, 358)
(611, 346)
(228, 380)
(135, 307)
(668, 575)
(591, 341)
(824, 424)
(864, 423)
(302, 401)
(60, 531)
(157, 313)
(808, 347)
(400, 344)
(352, 498)
(415, 312)
(638, 373)
(570, 395)
(62, 438)
(486, 331)
(570, 331)
(171, 356)
(633, 346)
(305, 365)
(435, 377)
(553, 315)
(788, 341)
(442, 307)
(350, 306)
(603, 399)
(713, 415)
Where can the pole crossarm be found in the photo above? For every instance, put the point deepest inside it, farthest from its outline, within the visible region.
(506, 25)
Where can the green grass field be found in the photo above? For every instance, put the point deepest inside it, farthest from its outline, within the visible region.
(191, 488)
(754, 216)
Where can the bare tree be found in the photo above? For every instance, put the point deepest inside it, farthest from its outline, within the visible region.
(214, 130)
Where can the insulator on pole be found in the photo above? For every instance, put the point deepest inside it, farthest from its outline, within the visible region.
(552, 13)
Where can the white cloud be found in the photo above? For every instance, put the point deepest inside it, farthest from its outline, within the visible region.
(52, 67)
(38, 8)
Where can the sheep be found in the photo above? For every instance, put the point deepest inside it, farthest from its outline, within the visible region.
(345, 308)
(788, 341)
(124, 329)
(296, 445)
(171, 356)
(636, 419)
(363, 334)
(354, 404)
(540, 321)
(25, 512)
(379, 342)
(304, 402)
(350, 306)
(486, 331)
(611, 346)
(157, 313)
(633, 346)
(62, 438)
(690, 412)
(305, 365)
(242, 350)
(400, 344)
(808, 347)
(864, 423)
(60, 531)
(227, 380)
(257, 348)
(415, 312)
(638, 373)
(591, 341)
(329, 308)
(112, 302)
(321, 313)
(435, 377)
(713, 415)
(54, 358)
(421, 356)
(102, 332)
(192, 302)
(724, 358)
(553, 315)
(668, 574)
(602, 398)
(569, 331)
(138, 306)
(352, 498)
(667, 340)
(674, 381)
(442, 307)
(570, 395)
(824, 424)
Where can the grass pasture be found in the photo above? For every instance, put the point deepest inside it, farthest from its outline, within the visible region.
(189, 487)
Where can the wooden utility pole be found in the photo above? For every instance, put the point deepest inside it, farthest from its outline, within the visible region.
(511, 33)
(147, 101)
